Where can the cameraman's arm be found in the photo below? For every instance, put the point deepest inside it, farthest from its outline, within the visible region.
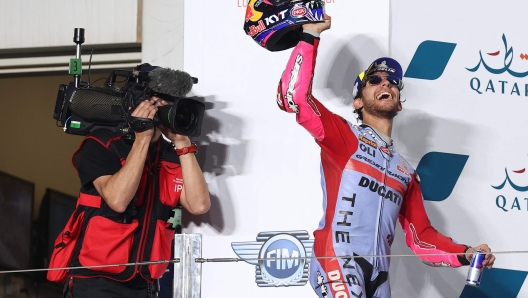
(195, 194)
(119, 189)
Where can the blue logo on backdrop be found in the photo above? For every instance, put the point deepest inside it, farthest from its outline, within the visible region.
(497, 282)
(513, 185)
(430, 60)
(481, 85)
(508, 59)
(439, 173)
(280, 258)
(504, 201)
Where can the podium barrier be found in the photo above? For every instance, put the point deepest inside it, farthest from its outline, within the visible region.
(187, 272)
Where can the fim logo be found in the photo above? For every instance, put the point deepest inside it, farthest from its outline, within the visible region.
(281, 258)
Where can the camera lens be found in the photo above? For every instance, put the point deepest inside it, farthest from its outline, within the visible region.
(184, 117)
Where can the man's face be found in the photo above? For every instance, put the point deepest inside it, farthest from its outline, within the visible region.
(381, 100)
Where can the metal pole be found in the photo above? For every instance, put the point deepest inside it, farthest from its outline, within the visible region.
(187, 273)
(78, 38)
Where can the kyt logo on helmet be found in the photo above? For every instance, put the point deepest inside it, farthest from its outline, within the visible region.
(276, 25)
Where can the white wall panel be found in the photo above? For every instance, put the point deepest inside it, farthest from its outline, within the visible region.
(162, 43)
(50, 23)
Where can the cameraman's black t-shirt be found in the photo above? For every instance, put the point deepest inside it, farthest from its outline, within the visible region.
(96, 161)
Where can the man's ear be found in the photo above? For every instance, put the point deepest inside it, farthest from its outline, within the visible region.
(358, 103)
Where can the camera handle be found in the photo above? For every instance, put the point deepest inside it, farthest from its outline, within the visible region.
(75, 64)
(110, 81)
(139, 124)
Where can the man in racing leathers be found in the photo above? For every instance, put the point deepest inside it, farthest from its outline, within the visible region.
(366, 184)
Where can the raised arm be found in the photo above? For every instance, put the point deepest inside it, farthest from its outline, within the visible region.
(195, 194)
(295, 87)
(294, 95)
(119, 189)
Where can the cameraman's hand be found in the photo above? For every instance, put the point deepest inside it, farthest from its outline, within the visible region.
(146, 109)
(179, 141)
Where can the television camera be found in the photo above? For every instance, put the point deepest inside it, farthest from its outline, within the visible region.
(81, 107)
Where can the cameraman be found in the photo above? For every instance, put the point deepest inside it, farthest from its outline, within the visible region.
(123, 213)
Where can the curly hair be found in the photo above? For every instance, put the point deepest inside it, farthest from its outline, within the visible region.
(358, 112)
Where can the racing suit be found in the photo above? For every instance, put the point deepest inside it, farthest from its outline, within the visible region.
(366, 186)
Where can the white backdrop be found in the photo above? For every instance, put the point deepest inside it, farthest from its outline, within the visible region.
(263, 169)
(447, 115)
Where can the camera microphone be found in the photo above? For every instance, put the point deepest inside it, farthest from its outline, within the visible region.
(171, 82)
